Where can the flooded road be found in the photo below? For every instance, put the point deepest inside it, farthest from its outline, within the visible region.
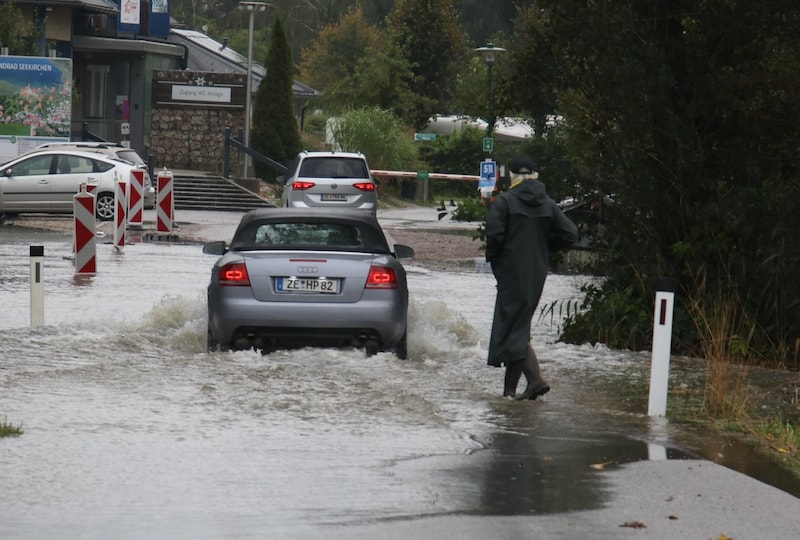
(133, 430)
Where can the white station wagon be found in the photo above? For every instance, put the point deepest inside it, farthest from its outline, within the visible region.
(45, 182)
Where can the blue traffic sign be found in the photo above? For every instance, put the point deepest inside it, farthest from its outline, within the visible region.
(488, 174)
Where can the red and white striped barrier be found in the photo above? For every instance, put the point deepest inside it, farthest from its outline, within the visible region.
(165, 203)
(120, 213)
(136, 198)
(84, 239)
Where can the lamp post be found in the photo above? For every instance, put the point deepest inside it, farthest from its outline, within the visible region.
(251, 7)
(489, 51)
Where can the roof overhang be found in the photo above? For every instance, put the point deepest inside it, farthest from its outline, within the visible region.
(141, 46)
(94, 6)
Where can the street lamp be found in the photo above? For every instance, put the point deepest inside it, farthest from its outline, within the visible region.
(252, 7)
(489, 51)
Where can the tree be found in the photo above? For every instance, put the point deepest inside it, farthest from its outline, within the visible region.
(334, 54)
(688, 117)
(431, 40)
(15, 31)
(379, 135)
(274, 129)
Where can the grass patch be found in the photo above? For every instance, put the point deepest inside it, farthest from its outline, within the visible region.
(9, 430)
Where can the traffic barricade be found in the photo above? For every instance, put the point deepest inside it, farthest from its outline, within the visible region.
(165, 202)
(120, 213)
(136, 199)
(84, 230)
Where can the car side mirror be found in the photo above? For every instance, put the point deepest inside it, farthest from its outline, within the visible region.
(215, 248)
(403, 252)
(281, 180)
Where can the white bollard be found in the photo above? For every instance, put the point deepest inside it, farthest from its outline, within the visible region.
(84, 238)
(165, 203)
(37, 285)
(136, 198)
(662, 345)
(120, 213)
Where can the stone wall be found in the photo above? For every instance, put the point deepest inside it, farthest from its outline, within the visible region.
(191, 135)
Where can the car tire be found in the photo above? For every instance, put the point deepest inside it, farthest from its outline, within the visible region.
(371, 348)
(401, 349)
(105, 206)
(212, 345)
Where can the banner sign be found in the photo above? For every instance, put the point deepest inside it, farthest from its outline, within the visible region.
(35, 103)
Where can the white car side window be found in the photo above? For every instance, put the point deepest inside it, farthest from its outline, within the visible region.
(33, 166)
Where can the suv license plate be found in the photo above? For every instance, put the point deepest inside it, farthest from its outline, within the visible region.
(310, 285)
(334, 197)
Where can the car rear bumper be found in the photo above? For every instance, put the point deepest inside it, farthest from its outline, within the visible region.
(278, 324)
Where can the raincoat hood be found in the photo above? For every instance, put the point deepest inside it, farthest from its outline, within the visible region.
(530, 192)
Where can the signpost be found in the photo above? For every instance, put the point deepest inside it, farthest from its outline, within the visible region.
(488, 144)
(424, 136)
(488, 177)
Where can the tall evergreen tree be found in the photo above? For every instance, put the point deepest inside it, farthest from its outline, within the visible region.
(274, 129)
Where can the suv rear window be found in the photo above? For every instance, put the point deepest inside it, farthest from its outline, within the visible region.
(333, 167)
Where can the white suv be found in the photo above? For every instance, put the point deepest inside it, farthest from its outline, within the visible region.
(114, 150)
(329, 180)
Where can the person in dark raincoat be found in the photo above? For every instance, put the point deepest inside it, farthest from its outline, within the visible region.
(523, 225)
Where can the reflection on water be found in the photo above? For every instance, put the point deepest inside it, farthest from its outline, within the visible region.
(133, 430)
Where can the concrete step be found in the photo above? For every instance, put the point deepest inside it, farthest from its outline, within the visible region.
(214, 193)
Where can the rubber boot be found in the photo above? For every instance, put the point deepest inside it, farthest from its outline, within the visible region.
(537, 386)
(513, 374)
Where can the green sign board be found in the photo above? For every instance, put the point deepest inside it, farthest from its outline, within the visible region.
(488, 144)
(422, 175)
(424, 136)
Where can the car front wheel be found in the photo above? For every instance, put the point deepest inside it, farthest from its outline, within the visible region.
(105, 206)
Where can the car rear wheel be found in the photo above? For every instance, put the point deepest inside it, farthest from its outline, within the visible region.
(401, 349)
(212, 345)
(371, 348)
(105, 206)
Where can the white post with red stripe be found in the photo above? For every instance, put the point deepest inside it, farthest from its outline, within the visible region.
(136, 198)
(120, 213)
(662, 346)
(165, 203)
(84, 239)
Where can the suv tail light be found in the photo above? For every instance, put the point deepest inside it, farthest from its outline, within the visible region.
(364, 186)
(381, 277)
(300, 185)
(234, 274)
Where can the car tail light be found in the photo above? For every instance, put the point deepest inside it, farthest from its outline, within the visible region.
(381, 277)
(364, 186)
(234, 274)
(301, 186)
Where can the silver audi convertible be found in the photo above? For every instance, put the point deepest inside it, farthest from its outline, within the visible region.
(294, 277)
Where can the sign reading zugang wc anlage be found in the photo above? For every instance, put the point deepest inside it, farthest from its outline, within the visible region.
(195, 89)
(35, 102)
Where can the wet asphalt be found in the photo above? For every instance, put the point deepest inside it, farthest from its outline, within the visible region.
(567, 470)
(544, 480)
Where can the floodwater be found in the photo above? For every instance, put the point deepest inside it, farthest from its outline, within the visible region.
(133, 430)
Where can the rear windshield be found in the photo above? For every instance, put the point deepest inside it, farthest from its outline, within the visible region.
(309, 235)
(333, 167)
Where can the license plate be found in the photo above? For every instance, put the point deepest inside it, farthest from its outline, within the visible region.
(334, 197)
(310, 285)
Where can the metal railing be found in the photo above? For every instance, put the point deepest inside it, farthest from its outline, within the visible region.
(230, 142)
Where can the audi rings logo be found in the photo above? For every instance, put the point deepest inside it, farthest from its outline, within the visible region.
(307, 270)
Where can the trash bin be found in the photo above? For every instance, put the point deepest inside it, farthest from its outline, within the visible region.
(408, 189)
